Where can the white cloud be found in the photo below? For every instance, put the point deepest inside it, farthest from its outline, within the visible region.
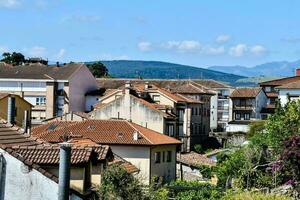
(242, 50)
(258, 50)
(83, 18)
(223, 38)
(9, 3)
(182, 46)
(60, 54)
(214, 50)
(239, 50)
(145, 46)
(36, 51)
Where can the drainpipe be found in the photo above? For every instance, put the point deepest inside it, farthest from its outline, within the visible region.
(64, 171)
(11, 110)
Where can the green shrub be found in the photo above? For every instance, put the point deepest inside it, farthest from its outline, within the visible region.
(254, 196)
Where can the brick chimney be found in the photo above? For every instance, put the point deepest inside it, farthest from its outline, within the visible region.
(298, 72)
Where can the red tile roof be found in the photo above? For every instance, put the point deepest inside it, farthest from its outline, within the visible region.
(293, 85)
(104, 132)
(130, 168)
(281, 81)
(195, 159)
(48, 155)
(245, 92)
(3, 95)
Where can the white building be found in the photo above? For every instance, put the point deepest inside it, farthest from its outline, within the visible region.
(53, 90)
(154, 154)
(288, 92)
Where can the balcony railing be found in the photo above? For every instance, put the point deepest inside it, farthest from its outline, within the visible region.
(223, 107)
(246, 107)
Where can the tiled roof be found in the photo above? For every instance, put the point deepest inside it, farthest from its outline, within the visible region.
(167, 84)
(245, 92)
(281, 81)
(130, 168)
(13, 136)
(195, 159)
(104, 132)
(272, 94)
(39, 71)
(49, 155)
(293, 85)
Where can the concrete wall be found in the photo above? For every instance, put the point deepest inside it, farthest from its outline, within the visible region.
(80, 83)
(237, 128)
(164, 169)
(23, 183)
(131, 109)
(138, 156)
(214, 112)
(90, 101)
(284, 93)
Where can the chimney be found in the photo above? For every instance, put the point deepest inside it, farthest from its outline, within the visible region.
(298, 72)
(57, 64)
(127, 87)
(135, 135)
(26, 123)
(64, 171)
(11, 106)
(146, 85)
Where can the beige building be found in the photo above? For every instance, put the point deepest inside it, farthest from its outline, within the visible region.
(20, 107)
(52, 90)
(178, 114)
(154, 154)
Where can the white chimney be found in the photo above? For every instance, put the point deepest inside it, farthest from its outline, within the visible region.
(146, 85)
(135, 135)
(127, 87)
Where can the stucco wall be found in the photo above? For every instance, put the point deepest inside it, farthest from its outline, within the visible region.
(164, 169)
(237, 128)
(131, 109)
(261, 101)
(138, 156)
(21, 106)
(79, 84)
(22, 183)
(283, 95)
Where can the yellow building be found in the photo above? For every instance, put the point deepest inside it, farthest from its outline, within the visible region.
(20, 106)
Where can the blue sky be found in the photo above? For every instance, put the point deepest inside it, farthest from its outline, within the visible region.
(196, 32)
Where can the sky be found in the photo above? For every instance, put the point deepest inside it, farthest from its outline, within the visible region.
(201, 33)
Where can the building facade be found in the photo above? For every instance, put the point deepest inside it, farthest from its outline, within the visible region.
(52, 90)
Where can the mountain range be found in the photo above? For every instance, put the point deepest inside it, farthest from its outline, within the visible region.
(233, 75)
(270, 69)
(165, 70)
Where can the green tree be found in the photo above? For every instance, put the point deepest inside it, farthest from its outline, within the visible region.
(98, 69)
(14, 58)
(118, 184)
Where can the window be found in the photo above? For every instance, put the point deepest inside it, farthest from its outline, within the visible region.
(268, 89)
(156, 98)
(180, 114)
(40, 101)
(157, 157)
(196, 111)
(170, 129)
(163, 158)
(169, 156)
(192, 111)
(247, 116)
(237, 116)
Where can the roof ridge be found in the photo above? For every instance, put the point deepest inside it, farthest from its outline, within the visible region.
(139, 131)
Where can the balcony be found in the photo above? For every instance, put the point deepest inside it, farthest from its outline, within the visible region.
(223, 108)
(245, 107)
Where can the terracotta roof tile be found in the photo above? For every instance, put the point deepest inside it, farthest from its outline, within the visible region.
(245, 92)
(195, 159)
(130, 168)
(38, 71)
(106, 132)
(47, 155)
(292, 85)
(281, 81)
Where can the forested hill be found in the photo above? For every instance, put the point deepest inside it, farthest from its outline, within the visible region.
(165, 70)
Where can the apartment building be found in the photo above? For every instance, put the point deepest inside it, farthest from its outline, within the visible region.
(174, 114)
(154, 154)
(217, 93)
(52, 90)
(281, 89)
(247, 105)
